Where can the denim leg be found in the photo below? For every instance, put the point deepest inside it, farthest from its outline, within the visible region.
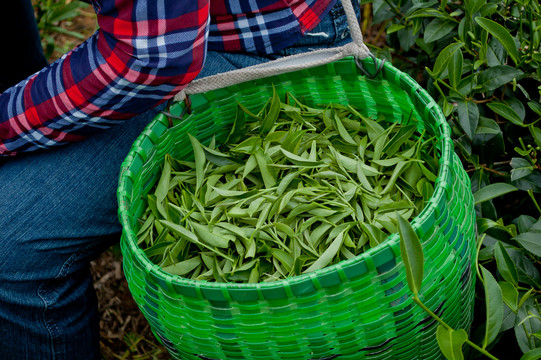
(58, 211)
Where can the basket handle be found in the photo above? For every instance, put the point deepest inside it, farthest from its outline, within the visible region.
(286, 64)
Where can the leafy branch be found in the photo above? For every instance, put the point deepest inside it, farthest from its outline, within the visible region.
(450, 341)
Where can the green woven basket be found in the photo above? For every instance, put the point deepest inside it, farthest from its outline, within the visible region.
(357, 309)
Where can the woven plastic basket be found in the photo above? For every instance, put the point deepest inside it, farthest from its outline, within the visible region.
(357, 309)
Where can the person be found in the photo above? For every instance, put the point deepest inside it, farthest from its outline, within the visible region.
(58, 203)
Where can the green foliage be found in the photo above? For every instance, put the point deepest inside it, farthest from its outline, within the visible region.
(50, 14)
(481, 60)
(451, 342)
(412, 255)
(300, 189)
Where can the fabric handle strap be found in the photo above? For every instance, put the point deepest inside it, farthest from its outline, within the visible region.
(286, 64)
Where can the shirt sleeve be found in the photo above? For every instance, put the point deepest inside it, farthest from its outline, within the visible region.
(144, 52)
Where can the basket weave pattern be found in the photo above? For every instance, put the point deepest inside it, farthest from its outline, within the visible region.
(357, 309)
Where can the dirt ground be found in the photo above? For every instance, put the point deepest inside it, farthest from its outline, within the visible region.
(124, 332)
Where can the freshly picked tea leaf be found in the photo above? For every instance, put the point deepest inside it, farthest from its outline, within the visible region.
(293, 189)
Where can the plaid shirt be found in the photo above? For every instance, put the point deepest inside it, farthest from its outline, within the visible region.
(143, 54)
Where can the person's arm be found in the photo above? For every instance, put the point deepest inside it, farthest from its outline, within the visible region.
(143, 53)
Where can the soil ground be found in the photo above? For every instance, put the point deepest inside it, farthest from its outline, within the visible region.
(124, 332)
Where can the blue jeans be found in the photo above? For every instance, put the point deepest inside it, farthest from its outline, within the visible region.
(59, 211)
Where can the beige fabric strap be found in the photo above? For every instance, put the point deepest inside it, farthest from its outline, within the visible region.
(286, 64)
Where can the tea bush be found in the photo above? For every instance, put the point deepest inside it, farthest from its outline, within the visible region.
(481, 61)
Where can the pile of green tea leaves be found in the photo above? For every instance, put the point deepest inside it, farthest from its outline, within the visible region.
(291, 190)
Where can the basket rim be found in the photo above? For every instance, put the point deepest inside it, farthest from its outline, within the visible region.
(391, 243)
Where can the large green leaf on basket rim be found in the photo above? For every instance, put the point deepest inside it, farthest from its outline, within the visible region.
(412, 254)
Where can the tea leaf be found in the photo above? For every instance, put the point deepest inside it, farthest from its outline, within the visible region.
(401, 137)
(536, 107)
(155, 207)
(163, 184)
(533, 354)
(157, 249)
(183, 267)
(443, 58)
(474, 6)
(209, 237)
(342, 131)
(239, 127)
(492, 191)
(437, 29)
(500, 33)
(506, 111)
(268, 174)
(497, 76)
(199, 154)
(190, 236)
(509, 295)
(238, 194)
(248, 112)
(494, 306)
(375, 235)
(412, 255)
(527, 323)
(288, 231)
(248, 146)
(362, 177)
(397, 171)
(505, 264)
(254, 274)
(272, 115)
(373, 128)
(328, 255)
(297, 160)
(530, 241)
(468, 117)
(219, 158)
(285, 259)
(455, 68)
(451, 341)
(180, 230)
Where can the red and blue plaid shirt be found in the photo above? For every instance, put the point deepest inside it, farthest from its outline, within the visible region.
(144, 53)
